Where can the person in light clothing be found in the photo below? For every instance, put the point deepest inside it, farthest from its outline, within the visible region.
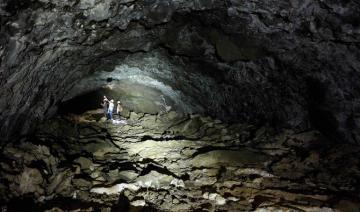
(105, 106)
(119, 109)
(110, 109)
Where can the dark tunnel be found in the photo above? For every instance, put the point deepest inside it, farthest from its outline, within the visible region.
(211, 105)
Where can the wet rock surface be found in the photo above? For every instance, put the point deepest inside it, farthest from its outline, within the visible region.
(176, 163)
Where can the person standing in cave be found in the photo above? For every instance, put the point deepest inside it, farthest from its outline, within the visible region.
(119, 109)
(105, 105)
(111, 109)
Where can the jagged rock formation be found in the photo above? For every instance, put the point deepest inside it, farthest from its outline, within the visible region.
(231, 105)
(176, 163)
(290, 63)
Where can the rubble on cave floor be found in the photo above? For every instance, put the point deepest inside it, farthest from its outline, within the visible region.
(176, 163)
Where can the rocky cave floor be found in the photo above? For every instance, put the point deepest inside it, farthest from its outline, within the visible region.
(176, 163)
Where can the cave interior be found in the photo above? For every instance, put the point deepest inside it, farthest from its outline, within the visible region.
(226, 105)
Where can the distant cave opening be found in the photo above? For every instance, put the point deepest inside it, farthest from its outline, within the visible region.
(85, 102)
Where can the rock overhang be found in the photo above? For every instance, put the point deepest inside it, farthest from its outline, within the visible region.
(259, 54)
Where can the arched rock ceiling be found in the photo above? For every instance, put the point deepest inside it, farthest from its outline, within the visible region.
(292, 63)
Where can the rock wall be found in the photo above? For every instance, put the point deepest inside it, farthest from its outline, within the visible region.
(290, 63)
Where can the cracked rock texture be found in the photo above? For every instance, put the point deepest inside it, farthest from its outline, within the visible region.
(288, 63)
(176, 163)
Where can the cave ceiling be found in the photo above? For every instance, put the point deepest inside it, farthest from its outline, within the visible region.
(288, 63)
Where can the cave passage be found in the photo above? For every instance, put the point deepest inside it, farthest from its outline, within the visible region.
(85, 102)
(227, 105)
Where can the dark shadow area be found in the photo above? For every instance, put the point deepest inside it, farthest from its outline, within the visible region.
(320, 115)
(22, 204)
(88, 101)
